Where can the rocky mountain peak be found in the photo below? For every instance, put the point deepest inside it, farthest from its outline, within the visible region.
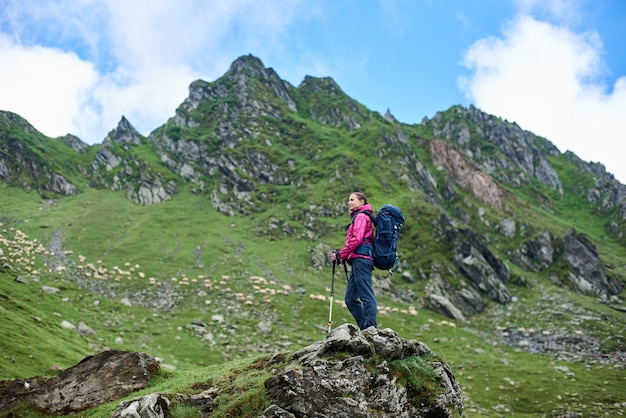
(247, 66)
(120, 170)
(107, 158)
(329, 105)
(13, 120)
(75, 143)
(321, 85)
(124, 134)
(247, 87)
(25, 162)
(389, 116)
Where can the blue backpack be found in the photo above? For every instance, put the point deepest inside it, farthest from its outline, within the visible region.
(384, 250)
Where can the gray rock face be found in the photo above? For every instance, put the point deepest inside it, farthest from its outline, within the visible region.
(125, 136)
(507, 227)
(337, 379)
(105, 158)
(487, 274)
(143, 185)
(61, 185)
(587, 274)
(608, 193)
(238, 177)
(232, 99)
(457, 303)
(535, 254)
(239, 76)
(477, 273)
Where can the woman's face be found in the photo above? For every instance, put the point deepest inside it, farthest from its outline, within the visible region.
(354, 202)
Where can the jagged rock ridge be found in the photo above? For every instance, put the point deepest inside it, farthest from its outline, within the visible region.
(249, 139)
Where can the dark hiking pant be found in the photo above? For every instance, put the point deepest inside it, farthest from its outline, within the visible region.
(360, 298)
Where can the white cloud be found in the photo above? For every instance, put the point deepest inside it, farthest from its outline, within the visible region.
(545, 78)
(44, 85)
(147, 99)
(131, 58)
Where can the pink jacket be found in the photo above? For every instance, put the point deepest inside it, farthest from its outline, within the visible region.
(359, 230)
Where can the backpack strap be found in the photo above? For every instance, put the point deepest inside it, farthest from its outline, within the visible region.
(366, 248)
(367, 212)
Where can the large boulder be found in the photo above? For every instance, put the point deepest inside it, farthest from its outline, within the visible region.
(98, 379)
(353, 373)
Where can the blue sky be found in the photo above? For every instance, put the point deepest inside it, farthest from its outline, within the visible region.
(556, 67)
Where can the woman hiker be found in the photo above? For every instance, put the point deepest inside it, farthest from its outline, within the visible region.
(357, 251)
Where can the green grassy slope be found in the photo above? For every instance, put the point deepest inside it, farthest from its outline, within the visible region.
(214, 266)
(146, 278)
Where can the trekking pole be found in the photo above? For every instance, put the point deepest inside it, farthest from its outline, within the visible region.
(332, 295)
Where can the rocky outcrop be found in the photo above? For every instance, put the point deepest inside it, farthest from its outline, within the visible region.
(487, 273)
(247, 92)
(489, 276)
(61, 185)
(150, 189)
(30, 169)
(248, 67)
(587, 275)
(535, 254)
(408, 166)
(105, 377)
(125, 136)
(75, 143)
(10, 120)
(457, 302)
(114, 166)
(607, 194)
(477, 273)
(237, 93)
(236, 178)
(515, 156)
(354, 373)
(389, 116)
(105, 159)
(154, 405)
